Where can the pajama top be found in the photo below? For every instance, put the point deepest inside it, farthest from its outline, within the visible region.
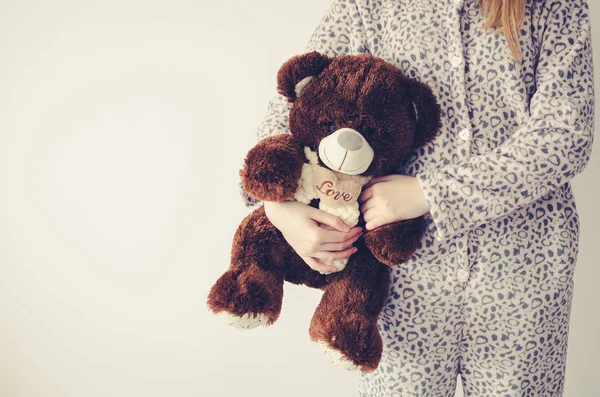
(488, 293)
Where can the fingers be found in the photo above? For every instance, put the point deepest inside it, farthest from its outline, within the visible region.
(314, 240)
(366, 194)
(370, 214)
(376, 222)
(344, 244)
(318, 266)
(326, 256)
(334, 236)
(324, 226)
(369, 188)
(317, 263)
(329, 220)
(367, 205)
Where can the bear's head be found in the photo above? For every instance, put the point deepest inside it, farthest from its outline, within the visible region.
(359, 112)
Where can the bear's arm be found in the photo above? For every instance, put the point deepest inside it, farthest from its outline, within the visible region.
(273, 168)
(395, 243)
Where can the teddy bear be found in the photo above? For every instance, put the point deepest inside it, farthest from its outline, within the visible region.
(351, 118)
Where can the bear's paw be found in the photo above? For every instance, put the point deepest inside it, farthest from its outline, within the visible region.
(246, 321)
(338, 358)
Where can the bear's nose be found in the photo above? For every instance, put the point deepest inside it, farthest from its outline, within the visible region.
(350, 140)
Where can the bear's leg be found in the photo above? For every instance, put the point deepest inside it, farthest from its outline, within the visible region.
(345, 322)
(250, 293)
(395, 243)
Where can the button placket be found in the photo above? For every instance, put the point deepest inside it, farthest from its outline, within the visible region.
(457, 73)
(457, 84)
(456, 60)
(462, 275)
(465, 134)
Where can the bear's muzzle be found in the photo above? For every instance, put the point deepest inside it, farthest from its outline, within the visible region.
(346, 151)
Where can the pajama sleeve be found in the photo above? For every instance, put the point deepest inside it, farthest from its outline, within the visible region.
(546, 151)
(340, 31)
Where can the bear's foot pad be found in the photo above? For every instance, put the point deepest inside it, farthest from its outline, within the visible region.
(246, 321)
(338, 358)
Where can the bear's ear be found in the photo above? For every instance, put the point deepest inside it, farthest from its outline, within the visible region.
(427, 112)
(296, 73)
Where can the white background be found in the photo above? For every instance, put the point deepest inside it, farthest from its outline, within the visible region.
(122, 128)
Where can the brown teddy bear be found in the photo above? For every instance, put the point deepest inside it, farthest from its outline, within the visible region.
(353, 117)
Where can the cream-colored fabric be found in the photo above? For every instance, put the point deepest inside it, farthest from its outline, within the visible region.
(302, 85)
(338, 193)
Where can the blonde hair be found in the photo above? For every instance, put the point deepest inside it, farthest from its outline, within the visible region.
(506, 17)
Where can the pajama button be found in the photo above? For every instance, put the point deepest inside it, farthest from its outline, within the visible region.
(464, 134)
(462, 275)
(456, 61)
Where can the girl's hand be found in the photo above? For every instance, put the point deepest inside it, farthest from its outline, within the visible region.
(314, 234)
(392, 198)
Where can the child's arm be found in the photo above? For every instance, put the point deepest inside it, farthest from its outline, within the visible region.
(549, 147)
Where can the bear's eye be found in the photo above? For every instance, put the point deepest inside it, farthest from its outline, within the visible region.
(331, 126)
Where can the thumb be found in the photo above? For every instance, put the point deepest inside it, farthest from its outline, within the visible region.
(329, 220)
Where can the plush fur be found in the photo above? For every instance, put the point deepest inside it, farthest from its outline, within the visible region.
(394, 115)
(263, 176)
